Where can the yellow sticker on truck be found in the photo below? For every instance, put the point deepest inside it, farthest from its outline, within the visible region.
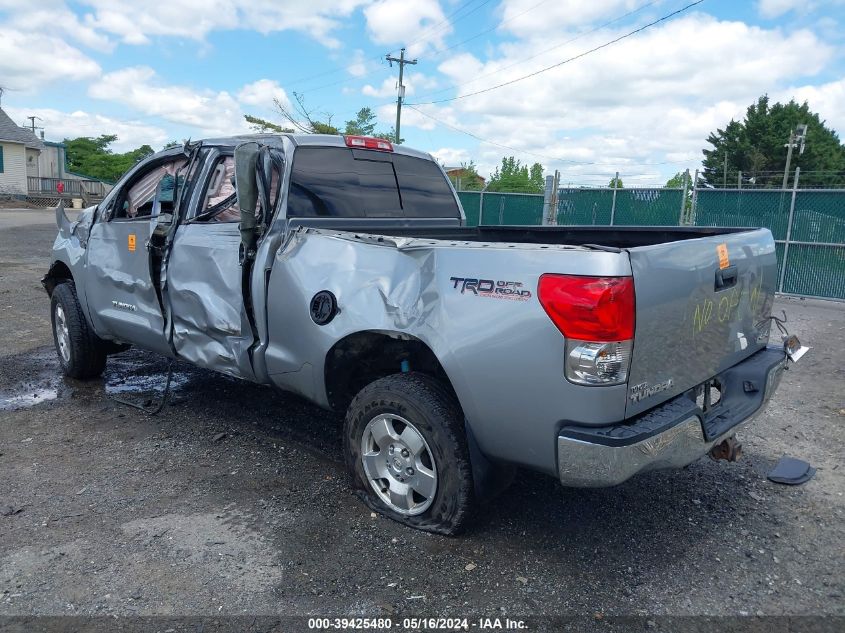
(130, 242)
(722, 252)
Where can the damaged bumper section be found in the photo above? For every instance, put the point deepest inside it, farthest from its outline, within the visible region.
(671, 435)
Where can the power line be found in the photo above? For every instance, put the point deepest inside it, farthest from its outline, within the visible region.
(523, 151)
(486, 31)
(565, 61)
(543, 52)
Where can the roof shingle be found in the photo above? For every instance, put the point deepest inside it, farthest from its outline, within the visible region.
(11, 131)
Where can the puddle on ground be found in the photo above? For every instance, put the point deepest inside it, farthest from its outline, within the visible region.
(43, 383)
(146, 383)
(133, 372)
(12, 402)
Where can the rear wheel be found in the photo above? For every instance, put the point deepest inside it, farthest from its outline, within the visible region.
(406, 449)
(82, 354)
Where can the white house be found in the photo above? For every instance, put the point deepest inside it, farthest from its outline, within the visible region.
(20, 150)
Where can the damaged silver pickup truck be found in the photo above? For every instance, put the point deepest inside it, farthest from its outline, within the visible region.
(341, 269)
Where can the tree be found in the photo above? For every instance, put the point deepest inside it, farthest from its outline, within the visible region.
(678, 180)
(262, 125)
(513, 176)
(364, 124)
(616, 183)
(467, 178)
(755, 146)
(92, 157)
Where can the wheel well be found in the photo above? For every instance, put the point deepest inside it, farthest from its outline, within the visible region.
(361, 358)
(58, 273)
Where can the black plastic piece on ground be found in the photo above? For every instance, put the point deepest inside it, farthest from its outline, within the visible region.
(791, 471)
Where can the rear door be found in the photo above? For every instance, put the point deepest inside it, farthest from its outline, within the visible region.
(702, 306)
(207, 290)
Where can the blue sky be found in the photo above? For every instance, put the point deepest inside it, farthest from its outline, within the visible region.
(644, 105)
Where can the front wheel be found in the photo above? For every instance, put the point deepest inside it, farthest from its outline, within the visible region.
(406, 449)
(82, 354)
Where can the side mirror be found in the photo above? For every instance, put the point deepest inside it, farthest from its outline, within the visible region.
(246, 157)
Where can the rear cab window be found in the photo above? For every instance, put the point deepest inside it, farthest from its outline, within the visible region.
(339, 182)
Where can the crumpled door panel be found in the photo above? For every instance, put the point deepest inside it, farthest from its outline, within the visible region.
(210, 324)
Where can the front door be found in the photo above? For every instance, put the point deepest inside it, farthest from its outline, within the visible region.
(123, 300)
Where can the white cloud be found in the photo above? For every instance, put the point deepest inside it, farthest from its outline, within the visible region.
(521, 18)
(632, 103)
(30, 60)
(828, 100)
(776, 8)
(358, 67)
(59, 125)
(52, 17)
(263, 93)
(418, 25)
(195, 19)
(213, 113)
(451, 156)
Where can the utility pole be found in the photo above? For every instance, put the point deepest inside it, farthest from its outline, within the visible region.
(32, 125)
(401, 88)
(796, 136)
(725, 181)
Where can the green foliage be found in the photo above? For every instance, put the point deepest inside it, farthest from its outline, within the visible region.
(515, 177)
(468, 178)
(755, 146)
(677, 181)
(364, 123)
(616, 183)
(92, 157)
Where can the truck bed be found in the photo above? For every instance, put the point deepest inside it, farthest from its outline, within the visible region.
(614, 237)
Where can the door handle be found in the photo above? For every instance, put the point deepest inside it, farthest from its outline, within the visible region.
(726, 278)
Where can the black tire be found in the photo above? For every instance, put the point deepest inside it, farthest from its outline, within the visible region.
(84, 355)
(436, 415)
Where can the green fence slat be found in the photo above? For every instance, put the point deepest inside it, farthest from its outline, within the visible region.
(470, 201)
(816, 271)
(643, 207)
(819, 216)
(512, 209)
(751, 207)
(584, 206)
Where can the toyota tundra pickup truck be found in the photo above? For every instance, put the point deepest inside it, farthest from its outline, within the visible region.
(342, 269)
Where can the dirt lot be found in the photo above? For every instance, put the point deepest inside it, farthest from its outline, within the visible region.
(106, 511)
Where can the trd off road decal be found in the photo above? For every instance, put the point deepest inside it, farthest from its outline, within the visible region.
(512, 290)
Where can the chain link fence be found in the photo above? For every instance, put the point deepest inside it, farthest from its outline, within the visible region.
(808, 224)
(808, 227)
(600, 206)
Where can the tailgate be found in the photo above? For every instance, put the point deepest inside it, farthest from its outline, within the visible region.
(702, 306)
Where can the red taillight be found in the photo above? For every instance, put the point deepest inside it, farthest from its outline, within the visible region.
(368, 142)
(589, 308)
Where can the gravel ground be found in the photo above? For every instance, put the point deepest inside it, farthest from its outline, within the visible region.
(234, 500)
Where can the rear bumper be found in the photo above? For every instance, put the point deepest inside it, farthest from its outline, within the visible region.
(671, 435)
